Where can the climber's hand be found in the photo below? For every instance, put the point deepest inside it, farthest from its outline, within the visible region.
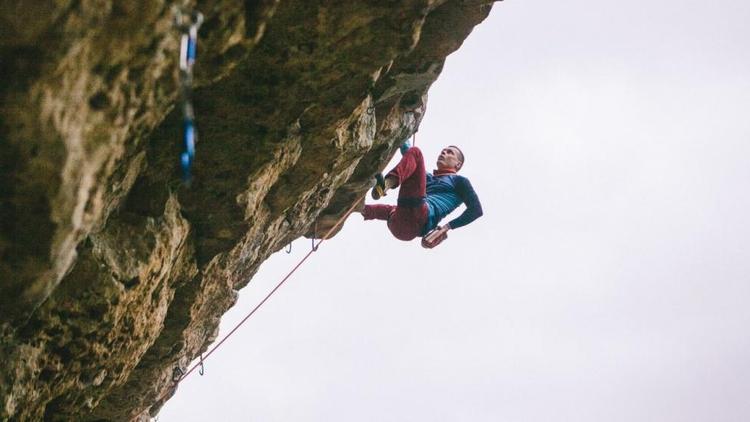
(435, 237)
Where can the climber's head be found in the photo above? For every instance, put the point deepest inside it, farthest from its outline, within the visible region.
(450, 158)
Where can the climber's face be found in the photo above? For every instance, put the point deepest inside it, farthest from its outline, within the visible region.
(450, 158)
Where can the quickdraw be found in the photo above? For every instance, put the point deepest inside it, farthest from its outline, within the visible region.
(177, 374)
(314, 236)
(187, 24)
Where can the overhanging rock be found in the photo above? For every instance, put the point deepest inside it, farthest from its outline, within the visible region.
(112, 272)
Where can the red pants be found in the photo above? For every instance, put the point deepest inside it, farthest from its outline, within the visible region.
(406, 220)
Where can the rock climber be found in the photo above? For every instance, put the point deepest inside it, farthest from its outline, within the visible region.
(424, 199)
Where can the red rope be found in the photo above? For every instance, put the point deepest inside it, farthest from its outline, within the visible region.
(299, 264)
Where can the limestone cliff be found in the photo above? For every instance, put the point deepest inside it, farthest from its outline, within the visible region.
(112, 272)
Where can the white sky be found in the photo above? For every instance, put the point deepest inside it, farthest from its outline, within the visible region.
(609, 279)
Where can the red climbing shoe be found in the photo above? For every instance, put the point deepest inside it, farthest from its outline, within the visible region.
(379, 190)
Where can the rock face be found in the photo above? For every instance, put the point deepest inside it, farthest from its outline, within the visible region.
(112, 272)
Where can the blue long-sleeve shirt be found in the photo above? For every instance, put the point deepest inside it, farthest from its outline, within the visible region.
(444, 194)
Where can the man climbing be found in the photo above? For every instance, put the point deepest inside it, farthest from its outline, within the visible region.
(424, 199)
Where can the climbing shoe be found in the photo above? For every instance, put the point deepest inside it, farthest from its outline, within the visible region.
(379, 190)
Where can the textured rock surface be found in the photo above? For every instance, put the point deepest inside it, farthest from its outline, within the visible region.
(112, 273)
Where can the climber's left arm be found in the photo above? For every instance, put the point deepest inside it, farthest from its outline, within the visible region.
(473, 207)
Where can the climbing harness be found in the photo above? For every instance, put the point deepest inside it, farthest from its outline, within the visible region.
(187, 24)
(283, 280)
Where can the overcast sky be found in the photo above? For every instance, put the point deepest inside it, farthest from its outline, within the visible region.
(609, 279)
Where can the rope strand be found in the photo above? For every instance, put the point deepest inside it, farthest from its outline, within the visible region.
(299, 264)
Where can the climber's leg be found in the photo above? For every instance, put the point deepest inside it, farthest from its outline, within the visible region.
(410, 216)
(409, 174)
(378, 212)
(405, 221)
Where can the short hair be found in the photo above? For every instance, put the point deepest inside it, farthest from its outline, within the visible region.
(460, 154)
